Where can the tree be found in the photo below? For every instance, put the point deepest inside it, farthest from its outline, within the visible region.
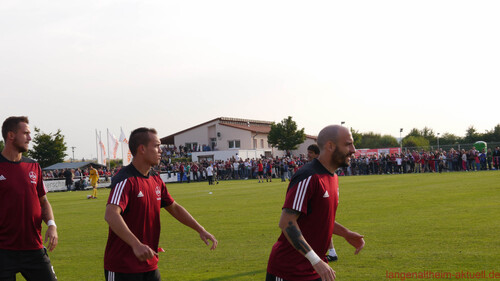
(415, 142)
(48, 149)
(493, 135)
(471, 135)
(357, 137)
(285, 135)
(1, 146)
(373, 140)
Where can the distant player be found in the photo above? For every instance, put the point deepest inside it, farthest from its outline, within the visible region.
(94, 178)
(313, 153)
(308, 217)
(23, 206)
(133, 214)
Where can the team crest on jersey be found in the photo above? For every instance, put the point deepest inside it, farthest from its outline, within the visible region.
(32, 176)
(158, 192)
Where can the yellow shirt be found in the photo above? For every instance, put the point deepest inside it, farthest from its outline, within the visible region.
(94, 176)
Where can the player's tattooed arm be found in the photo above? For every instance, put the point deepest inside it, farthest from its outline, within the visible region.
(47, 213)
(289, 226)
(297, 239)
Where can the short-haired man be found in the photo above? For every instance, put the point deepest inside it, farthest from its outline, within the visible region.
(133, 213)
(308, 217)
(313, 153)
(23, 206)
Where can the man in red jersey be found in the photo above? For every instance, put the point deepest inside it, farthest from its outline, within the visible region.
(133, 213)
(308, 217)
(23, 206)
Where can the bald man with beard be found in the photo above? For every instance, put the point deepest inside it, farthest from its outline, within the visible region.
(308, 215)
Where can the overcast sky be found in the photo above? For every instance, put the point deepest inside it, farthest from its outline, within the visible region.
(379, 66)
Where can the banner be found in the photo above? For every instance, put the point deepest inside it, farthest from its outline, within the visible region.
(101, 156)
(114, 145)
(127, 159)
(377, 152)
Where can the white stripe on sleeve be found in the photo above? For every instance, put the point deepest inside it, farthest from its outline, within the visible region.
(117, 193)
(300, 194)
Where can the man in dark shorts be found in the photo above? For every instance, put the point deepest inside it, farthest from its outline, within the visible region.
(308, 217)
(23, 206)
(133, 214)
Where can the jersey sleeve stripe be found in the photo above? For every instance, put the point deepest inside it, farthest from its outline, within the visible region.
(117, 193)
(300, 194)
(299, 188)
(306, 184)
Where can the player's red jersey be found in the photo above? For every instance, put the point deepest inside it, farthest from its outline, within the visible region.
(141, 199)
(21, 186)
(314, 192)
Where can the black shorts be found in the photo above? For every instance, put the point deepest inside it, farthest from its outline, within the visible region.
(34, 265)
(143, 276)
(270, 277)
(261, 173)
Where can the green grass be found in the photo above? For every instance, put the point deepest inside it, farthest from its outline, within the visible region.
(431, 222)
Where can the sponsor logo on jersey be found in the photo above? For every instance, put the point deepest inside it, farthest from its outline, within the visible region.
(140, 194)
(2, 178)
(326, 195)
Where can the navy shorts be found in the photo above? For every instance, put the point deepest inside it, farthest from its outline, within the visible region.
(34, 265)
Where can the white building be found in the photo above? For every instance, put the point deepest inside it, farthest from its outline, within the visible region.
(225, 137)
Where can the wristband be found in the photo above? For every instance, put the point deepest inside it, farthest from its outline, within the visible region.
(312, 257)
(51, 222)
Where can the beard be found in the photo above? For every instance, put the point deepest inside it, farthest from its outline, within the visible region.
(340, 159)
(20, 147)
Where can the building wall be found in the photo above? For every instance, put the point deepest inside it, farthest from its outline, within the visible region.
(247, 139)
(229, 133)
(303, 147)
(199, 135)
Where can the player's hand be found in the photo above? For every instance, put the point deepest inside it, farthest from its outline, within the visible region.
(356, 240)
(144, 252)
(205, 236)
(325, 271)
(51, 236)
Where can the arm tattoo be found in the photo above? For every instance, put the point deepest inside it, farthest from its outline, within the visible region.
(297, 239)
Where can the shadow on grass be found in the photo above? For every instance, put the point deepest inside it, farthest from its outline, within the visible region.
(230, 277)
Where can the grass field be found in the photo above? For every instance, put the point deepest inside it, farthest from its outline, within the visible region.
(433, 222)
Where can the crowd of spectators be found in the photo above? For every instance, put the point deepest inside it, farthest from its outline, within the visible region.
(425, 162)
(283, 168)
(397, 163)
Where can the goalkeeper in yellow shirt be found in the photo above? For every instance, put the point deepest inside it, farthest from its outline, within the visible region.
(94, 177)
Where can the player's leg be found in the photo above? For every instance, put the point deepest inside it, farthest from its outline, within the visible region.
(94, 193)
(36, 266)
(8, 265)
(331, 255)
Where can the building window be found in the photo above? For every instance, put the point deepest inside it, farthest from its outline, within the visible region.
(262, 143)
(193, 146)
(234, 144)
(213, 143)
(254, 144)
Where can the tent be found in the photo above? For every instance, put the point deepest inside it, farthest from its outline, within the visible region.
(72, 165)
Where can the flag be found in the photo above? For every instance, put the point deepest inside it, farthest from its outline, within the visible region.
(114, 145)
(123, 139)
(101, 156)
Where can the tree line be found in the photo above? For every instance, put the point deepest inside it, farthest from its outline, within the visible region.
(286, 136)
